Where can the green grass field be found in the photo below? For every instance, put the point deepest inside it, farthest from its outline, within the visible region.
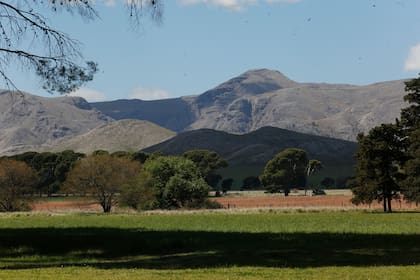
(211, 245)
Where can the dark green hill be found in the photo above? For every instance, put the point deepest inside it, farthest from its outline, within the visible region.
(248, 153)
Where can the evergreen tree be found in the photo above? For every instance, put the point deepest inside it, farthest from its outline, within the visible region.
(410, 123)
(378, 174)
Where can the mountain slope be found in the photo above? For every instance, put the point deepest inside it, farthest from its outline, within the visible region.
(259, 146)
(28, 121)
(123, 135)
(262, 97)
(247, 154)
(174, 114)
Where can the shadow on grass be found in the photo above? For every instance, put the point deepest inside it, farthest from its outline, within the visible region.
(128, 248)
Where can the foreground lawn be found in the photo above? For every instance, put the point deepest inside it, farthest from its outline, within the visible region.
(267, 245)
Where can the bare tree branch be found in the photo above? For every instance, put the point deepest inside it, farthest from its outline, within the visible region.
(26, 39)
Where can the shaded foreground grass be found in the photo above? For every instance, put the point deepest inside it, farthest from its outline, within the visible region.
(247, 273)
(235, 245)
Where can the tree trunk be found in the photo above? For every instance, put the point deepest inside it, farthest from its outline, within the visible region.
(106, 208)
(389, 204)
(384, 204)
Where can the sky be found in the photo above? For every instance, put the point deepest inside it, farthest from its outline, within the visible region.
(202, 43)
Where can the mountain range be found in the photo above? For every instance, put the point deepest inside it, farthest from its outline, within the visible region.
(262, 97)
(247, 119)
(34, 123)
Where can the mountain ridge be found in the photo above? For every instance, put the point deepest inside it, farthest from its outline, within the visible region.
(263, 97)
(33, 123)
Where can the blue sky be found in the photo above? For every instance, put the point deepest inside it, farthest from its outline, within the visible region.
(202, 43)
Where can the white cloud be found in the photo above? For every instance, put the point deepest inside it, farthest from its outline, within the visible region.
(234, 5)
(89, 94)
(149, 93)
(412, 63)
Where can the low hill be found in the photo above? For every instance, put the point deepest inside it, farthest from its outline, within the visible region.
(28, 121)
(124, 135)
(247, 154)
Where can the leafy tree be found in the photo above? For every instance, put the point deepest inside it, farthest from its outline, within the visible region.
(16, 179)
(45, 164)
(208, 162)
(28, 40)
(125, 154)
(140, 156)
(328, 182)
(102, 176)
(227, 185)
(178, 182)
(51, 168)
(378, 174)
(64, 162)
(251, 182)
(26, 157)
(139, 193)
(100, 152)
(287, 169)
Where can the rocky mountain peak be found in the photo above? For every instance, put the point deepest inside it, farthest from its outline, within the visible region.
(267, 76)
(251, 83)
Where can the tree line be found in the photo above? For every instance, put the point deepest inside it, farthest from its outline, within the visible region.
(138, 180)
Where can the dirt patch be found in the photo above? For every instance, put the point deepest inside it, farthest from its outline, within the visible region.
(329, 201)
(240, 202)
(74, 205)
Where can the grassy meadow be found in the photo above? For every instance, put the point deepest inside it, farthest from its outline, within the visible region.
(211, 245)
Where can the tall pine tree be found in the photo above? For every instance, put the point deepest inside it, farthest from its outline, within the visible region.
(410, 123)
(378, 174)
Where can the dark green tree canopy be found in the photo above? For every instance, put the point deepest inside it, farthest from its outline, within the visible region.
(378, 174)
(51, 168)
(410, 116)
(328, 182)
(227, 185)
(251, 182)
(178, 182)
(207, 162)
(286, 170)
(410, 122)
(411, 185)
